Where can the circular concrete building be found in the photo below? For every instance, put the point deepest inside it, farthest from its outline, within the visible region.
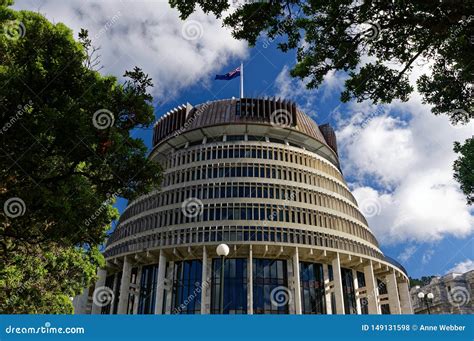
(262, 177)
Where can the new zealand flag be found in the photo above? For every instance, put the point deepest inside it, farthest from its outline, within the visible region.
(229, 75)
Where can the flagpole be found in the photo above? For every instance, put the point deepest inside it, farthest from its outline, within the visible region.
(241, 80)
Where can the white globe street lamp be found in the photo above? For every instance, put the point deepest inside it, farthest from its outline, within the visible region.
(426, 298)
(222, 251)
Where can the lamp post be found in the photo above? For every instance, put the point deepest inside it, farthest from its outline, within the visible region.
(426, 298)
(222, 251)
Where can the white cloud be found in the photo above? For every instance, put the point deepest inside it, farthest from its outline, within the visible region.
(404, 165)
(427, 256)
(295, 89)
(462, 267)
(292, 88)
(407, 253)
(149, 34)
(400, 158)
(371, 146)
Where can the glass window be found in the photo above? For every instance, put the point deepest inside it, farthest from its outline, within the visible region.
(348, 291)
(109, 283)
(235, 286)
(271, 294)
(312, 288)
(187, 287)
(146, 301)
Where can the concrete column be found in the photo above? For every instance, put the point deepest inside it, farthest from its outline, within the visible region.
(336, 271)
(327, 291)
(205, 281)
(250, 282)
(124, 286)
(160, 283)
(102, 274)
(405, 300)
(115, 300)
(371, 286)
(81, 302)
(297, 284)
(137, 296)
(356, 287)
(169, 288)
(392, 289)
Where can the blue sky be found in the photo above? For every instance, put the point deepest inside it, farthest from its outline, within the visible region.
(396, 158)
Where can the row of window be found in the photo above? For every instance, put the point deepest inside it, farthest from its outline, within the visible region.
(271, 293)
(239, 234)
(244, 190)
(246, 151)
(253, 170)
(242, 171)
(199, 213)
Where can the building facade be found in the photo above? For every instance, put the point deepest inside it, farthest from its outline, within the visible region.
(262, 177)
(452, 294)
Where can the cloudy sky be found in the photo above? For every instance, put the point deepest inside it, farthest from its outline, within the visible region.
(397, 158)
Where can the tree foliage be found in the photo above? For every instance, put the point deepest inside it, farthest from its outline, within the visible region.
(66, 153)
(424, 280)
(376, 43)
(464, 168)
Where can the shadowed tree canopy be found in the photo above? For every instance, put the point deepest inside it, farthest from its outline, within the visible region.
(376, 43)
(464, 168)
(66, 152)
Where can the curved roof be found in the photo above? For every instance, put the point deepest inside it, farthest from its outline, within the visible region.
(245, 110)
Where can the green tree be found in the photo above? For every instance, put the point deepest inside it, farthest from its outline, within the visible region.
(464, 168)
(395, 35)
(66, 153)
(424, 280)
